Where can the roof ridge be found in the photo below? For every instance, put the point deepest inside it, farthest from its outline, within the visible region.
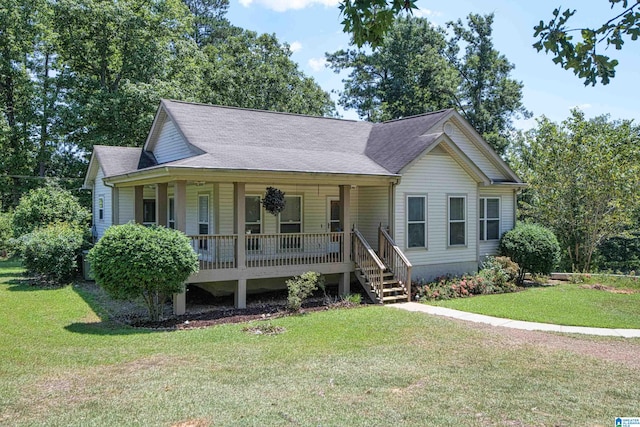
(429, 113)
(256, 110)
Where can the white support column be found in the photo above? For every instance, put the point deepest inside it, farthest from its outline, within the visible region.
(241, 294)
(138, 202)
(180, 191)
(345, 221)
(239, 231)
(161, 204)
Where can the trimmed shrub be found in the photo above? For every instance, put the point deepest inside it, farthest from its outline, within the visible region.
(301, 287)
(132, 261)
(500, 274)
(6, 231)
(47, 205)
(444, 288)
(534, 247)
(52, 252)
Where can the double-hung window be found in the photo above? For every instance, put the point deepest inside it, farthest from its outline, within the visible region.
(489, 218)
(291, 222)
(101, 208)
(416, 221)
(203, 218)
(171, 215)
(457, 220)
(253, 220)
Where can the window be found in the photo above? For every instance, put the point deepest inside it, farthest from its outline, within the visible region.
(149, 211)
(334, 215)
(291, 222)
(101, 208)
(489, 218)
(416, 221)
(171, 215)
(203, 214)
(457, 221)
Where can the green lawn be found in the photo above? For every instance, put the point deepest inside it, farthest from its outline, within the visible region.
(566, 304)
(62, 365)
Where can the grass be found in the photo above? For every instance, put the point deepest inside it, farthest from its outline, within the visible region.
(565, 304)
(63, 365)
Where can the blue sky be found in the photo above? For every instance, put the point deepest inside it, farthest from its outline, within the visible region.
(312, 27)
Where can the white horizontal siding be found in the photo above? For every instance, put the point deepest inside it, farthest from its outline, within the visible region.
(101, 190)
(373, 209)
(474, 153)
(126, 211)
(171, 145)
(437, 176)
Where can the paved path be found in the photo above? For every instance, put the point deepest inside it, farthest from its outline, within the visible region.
(515, 324)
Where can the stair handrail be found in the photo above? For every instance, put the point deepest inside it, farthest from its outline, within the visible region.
(395, 259)
(369, 263)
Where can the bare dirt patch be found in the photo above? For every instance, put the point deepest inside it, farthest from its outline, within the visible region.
(611, 289)
(618, 350)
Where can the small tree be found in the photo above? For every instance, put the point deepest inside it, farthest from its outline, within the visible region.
(52, 252)
(300, 287)
(6, 231)
(533, 247)
(47, 205)
(133, 261)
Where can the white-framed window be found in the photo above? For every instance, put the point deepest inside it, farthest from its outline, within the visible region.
(416, 221)
(171, 214)
(489, 215)
(290, 220)
(253, 214)
(149, 212)
(203, 214)
(457, 218)
(101, 208)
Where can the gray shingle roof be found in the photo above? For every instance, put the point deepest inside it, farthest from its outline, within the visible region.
(396, 143)
(117, 160)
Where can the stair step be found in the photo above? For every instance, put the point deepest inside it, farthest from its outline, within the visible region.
(397, 289)
(390, 282)
(395, 298)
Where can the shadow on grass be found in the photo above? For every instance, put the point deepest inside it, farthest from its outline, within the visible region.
(108, 328)
(106, 325)
(28, 285)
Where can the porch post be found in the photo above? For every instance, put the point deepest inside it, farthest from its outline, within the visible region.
(239, 231)
(345, 221)
(180, 191)
(161, 204)
(138, 204)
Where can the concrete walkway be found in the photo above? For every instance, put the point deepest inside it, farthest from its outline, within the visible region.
(515, 324)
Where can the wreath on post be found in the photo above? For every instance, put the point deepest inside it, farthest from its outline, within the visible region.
(273, 201)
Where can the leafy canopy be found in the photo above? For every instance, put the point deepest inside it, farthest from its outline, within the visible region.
(584, 178)
(583, 56)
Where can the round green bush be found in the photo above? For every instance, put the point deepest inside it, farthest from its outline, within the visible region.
(47, 205)
(533, 247)
(132, 261)
(51, 253)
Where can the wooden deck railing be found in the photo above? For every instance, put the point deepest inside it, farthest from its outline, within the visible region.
(393, 257)
(368, 262)
(269, 250)
(215, 251)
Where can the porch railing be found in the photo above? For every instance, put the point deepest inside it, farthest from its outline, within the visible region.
(367, 261)
(393, 257)
(215, 251)
(268, 250)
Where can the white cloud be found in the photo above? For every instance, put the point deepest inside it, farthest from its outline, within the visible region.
(420, 13)
(295, 46)
(284, 5)
(317, 64)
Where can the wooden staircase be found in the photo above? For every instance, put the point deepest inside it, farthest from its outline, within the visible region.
(386, 275)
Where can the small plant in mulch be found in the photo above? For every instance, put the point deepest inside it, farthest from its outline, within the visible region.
(264, 329)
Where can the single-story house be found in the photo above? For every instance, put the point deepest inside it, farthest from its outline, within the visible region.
(416, 197)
